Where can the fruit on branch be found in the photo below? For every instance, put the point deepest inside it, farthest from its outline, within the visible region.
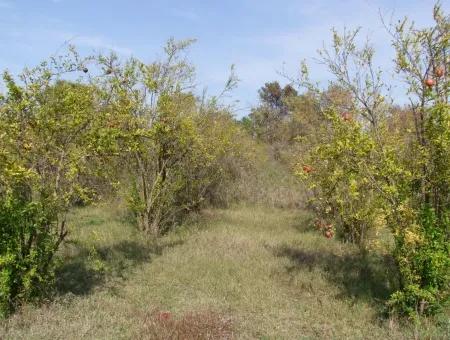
(319, 224)
(429, 82)
(439, 72)
(346, 116)
(307, 169)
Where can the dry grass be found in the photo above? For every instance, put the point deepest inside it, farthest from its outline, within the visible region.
(201, 325)
(246, 272)
(270, 183)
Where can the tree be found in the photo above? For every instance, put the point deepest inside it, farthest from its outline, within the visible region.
(267, 119)
(50, 132)
(169, 141)
(365, 175)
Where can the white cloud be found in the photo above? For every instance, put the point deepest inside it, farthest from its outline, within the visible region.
(291, 46)
(96, 42)
(99, 42)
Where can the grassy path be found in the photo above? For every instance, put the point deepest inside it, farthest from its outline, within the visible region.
(246, 272)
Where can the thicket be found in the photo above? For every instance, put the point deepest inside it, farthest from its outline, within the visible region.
(372, 166)
(73, 130)
(76, 130)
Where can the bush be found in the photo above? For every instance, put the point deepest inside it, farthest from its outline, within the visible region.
(366, 171)
(27, 247)
(178, 151)
(334, 171)
(49, 145)
(424, 263)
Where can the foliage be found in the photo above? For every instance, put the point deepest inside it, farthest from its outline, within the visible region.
(48, 141)
(176, 148)
(66, 142)
(268, 120)
(73, 129)
(423, 256)
(27, 247)
(368, 172)
(425, 264)
(335, 172)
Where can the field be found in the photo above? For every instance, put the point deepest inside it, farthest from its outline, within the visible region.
(247, 272)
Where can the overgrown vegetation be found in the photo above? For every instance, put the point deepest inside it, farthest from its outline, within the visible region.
(179, 150)
(119, 127)
(369, 171)
(248, 272)
(81, 132)
(48, 143)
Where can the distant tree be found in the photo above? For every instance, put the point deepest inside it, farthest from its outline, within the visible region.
(271, 94)
(289, 91)
(267, 118)
(274, 96)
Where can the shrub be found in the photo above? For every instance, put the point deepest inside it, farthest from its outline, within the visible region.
(176, 149)
(27, 247)
(424, 263)
(342, 192)
(48, 143)
(365, 174)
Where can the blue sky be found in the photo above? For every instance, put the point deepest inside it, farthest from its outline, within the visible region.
(258, 36)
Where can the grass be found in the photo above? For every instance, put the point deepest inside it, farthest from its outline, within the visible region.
(246, 272)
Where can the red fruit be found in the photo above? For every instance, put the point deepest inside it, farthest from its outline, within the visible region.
(429, 82)
(347, 116)
(320, 224)
(439, 72)
(307, 169)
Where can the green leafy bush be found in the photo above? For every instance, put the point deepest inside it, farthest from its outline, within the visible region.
(177, 151)
(49, 144)
(367, 171)
(424, 263)
(27, 247)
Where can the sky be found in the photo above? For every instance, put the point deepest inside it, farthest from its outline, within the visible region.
(260, 37)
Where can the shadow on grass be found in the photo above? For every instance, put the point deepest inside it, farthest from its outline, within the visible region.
(368, 277)
(90, 268)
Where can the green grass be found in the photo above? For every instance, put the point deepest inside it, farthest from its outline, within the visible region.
(245, 272)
